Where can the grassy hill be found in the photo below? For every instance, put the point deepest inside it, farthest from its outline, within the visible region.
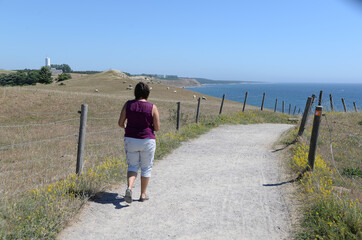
(113, 85)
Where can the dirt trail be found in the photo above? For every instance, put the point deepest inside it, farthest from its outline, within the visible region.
(214, 187)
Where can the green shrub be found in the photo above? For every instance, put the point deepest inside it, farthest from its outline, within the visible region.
(63, 77)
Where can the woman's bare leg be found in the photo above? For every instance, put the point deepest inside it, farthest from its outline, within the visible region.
(144, 184)
(131, 176)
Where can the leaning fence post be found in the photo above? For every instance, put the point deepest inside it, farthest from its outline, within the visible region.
(246, 97)
(355, 106)
(81, 138)
(262, 103)
(178, 116)
(198, 110)
(305, 116)
(314, 137)
(222, 103)
(331, 99)
(344, 105)
(276, 104)
(295, 109)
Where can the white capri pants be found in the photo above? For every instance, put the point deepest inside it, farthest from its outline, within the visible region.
(140, 152)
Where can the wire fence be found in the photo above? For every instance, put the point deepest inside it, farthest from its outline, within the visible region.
(38, 153)
(340, 144)
(35, 152)
(343, 144)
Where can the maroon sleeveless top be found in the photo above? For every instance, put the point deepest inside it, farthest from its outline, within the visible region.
(139, 120)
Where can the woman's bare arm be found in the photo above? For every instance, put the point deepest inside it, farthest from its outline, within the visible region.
(122, 117)
(156, 118)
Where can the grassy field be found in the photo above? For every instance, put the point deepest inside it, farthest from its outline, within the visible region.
(39, 191)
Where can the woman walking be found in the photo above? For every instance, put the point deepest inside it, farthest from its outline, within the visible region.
(139, 138)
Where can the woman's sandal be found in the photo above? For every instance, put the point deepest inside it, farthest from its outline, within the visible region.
(143, 199)
(128, 196)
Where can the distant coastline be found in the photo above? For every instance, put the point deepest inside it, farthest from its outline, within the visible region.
(199, 82)
(210, 81)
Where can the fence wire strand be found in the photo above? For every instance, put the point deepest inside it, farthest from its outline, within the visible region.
(331, 149)
(39, 124)
(36, 142)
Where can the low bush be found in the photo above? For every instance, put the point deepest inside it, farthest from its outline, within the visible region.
(63, 77)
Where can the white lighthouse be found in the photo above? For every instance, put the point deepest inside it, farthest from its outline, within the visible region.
(47, 62)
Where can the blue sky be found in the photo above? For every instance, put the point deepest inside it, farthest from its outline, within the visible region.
(256, 40)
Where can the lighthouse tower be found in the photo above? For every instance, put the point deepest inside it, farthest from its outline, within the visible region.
(47, 62)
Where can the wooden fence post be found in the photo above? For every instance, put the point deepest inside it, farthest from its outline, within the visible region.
(295, 108)
(246, 97)
(283, 106)
(81, 138)
(320, 98)
(222, 104)
(355, 106)
(331, 100)
(262, 103)
(313, 98)
(276, 104)
(298, 111)
(314, 137)
(178, 117)
(344, 105)
(305, 116)
(198, 110)
(290, 106)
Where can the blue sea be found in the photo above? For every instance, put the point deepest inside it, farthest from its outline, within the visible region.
(295, 94)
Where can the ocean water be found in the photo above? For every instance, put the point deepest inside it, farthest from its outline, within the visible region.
(295, 94)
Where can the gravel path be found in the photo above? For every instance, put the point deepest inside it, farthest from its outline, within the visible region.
(214, 187)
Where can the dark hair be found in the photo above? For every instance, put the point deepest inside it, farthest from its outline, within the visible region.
(141, 91)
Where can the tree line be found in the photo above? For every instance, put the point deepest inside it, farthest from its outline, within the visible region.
(64, 67)
(26, 77)
(31, 77)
